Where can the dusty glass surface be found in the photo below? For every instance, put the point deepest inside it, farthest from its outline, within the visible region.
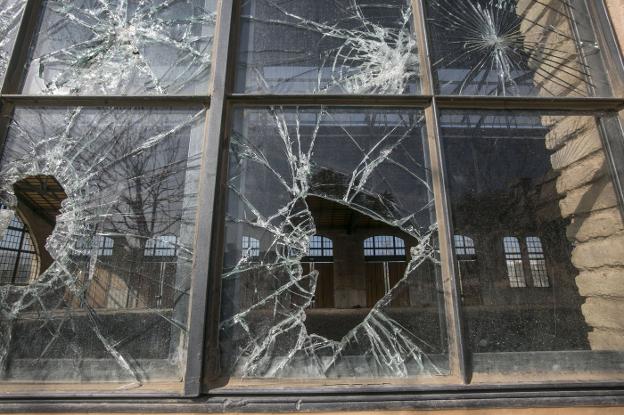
(108, 195)
(301, 296)
(123, 47)
(539, 242)
(10, 16)
(514, 48)
(327, 46)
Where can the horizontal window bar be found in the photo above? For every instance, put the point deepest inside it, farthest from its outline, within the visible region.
(105, 100)
(531, 103)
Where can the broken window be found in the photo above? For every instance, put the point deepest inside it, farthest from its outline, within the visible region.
(94, 47)
(10, 16)
(512, 47)
(130, 177)
(327, 46)
(338, 228)
(342, 172)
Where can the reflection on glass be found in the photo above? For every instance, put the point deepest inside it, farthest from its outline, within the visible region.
(109, 198)
(122, 47)
(10, 16)
(327, 46)
(541, 293)
(514, 48)
(312, 305)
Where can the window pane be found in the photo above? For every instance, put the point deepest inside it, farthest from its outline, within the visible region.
(327, 46)
(534, 192)
(10, 16)
(348, 174)
(123, 47)
(104, 308)
(515, 47)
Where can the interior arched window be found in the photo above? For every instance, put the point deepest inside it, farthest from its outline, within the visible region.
(19, 261)
(320, 246)
(384, 246)
(251, 247)
(464, 245)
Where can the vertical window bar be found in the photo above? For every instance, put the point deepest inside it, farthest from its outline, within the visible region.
(205, 281)
(450, 284)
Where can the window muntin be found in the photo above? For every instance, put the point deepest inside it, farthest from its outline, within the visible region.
(513, 48)
(548, 184)
(327, 47)
(10, 16)
(163, 245)
(513, 260)
(384, 246)
(251, 247)
(464, 245)
(343, 171)
(130, 176)
(86, 47)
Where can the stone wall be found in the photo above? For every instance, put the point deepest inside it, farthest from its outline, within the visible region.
(585, 196)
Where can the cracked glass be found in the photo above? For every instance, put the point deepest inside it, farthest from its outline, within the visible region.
(542, 282)
(10, 16)
(94, 47)
(108, 196)
(327, 46)
(514, 48)
(301, 295)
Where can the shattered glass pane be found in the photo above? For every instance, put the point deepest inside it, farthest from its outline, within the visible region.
(327, 46)
(542, 289)
(123, 47)
(514, 48)
(10, 16)
(96, 185)
(346, 175)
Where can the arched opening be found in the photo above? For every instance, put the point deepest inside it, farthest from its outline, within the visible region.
(22, 248)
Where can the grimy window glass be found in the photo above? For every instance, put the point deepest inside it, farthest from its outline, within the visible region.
(122, 47)
(103, 309)
(347, 174)
(327, 46)
(514, 47)
(533, 191)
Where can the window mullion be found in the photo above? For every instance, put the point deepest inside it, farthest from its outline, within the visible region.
(201, 283)
(450, 284)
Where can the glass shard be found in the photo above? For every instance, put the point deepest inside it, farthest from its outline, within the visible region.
(327, 46)
(123, 47)
(514, 48)
(10, 16)
(97, 187)
(300, 296)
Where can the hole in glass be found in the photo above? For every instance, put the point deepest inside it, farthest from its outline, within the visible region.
(22, 249)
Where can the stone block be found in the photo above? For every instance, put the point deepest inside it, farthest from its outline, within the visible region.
(582, 172)
(577, 146)
(596, 196)
(604, 313)
(599, 252)
(595, 225)
(601, 339)
(602, 282)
